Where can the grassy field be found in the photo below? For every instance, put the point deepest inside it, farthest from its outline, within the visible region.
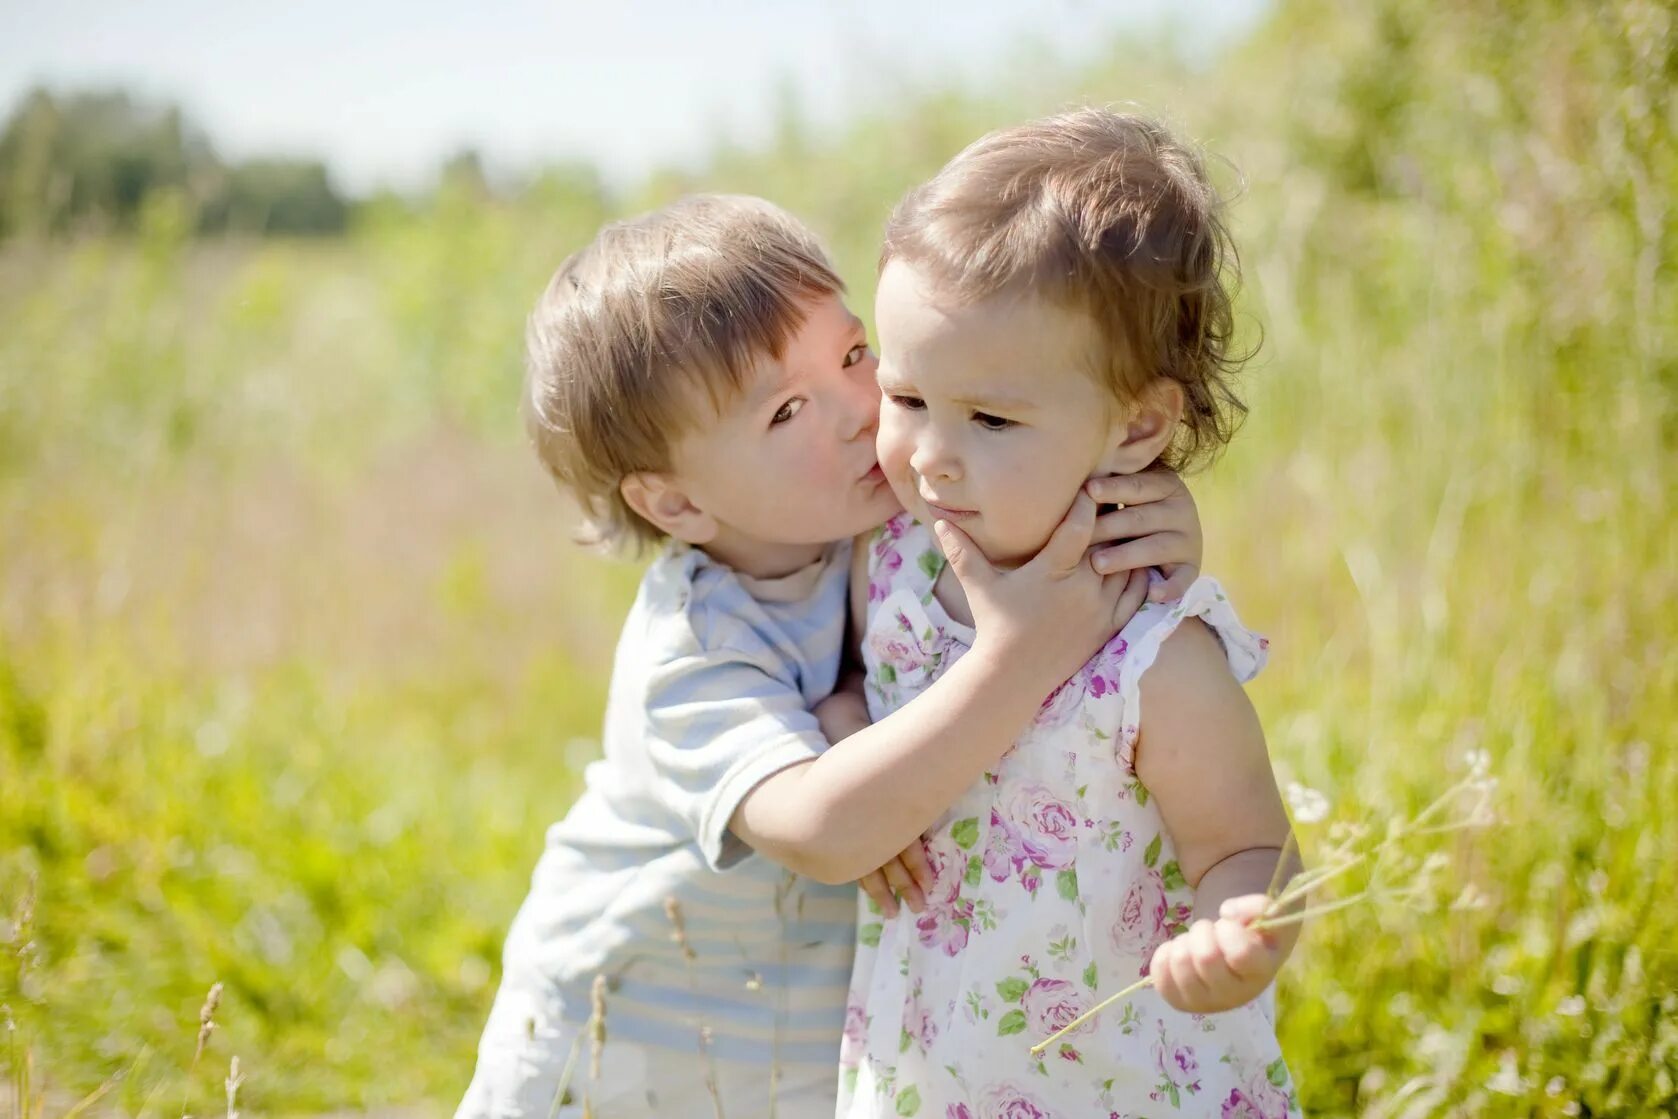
(296, 661)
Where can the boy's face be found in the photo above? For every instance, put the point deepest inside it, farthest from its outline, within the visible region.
(789, 466)
(990, 419)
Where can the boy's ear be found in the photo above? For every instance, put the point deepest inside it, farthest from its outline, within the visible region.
(662, 501)
(1143, 435)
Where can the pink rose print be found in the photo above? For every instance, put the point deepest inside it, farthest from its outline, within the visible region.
(1259, 1100)
(957, 1111)
(948, 863)
(1003, 853)
(1047, 827)
(1140, 927)
(889, 563)
(1178, 1064)
(946, 928)
(1101, 674)
(856, 1035)
(1059, 705)
(1051, 1004)
(1005, 1101)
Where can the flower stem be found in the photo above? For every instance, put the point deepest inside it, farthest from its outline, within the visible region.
(1145, 981)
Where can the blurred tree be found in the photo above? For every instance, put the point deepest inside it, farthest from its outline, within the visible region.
(91, 159)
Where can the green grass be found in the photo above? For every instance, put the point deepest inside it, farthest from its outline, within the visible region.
(296, 662)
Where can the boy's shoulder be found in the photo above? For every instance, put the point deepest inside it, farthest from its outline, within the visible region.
(690, 604)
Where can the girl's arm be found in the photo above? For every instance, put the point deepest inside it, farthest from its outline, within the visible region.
(1202, 755)
(843, 814)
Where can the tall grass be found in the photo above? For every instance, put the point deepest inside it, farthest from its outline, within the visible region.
(296, 662)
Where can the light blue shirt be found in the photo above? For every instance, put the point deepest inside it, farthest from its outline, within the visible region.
(712, 688)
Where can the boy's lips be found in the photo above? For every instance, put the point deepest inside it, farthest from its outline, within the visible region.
(874, 475)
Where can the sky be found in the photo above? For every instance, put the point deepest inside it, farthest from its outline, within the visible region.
(383, 90)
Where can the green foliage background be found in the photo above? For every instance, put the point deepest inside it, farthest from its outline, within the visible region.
(296, 663)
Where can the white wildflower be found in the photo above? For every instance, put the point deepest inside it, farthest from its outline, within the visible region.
(1306, 804)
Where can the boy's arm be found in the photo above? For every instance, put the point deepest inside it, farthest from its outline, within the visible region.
(1202, 756)
(841, 815)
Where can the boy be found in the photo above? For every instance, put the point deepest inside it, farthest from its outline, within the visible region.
(695, 380)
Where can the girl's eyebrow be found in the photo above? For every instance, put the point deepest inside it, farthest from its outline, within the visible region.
(999, 402)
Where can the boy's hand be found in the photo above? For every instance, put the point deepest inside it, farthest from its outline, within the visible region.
(841, 715)
(1218, 965)
(1156, 524)
(1050, 615)
(908, 876)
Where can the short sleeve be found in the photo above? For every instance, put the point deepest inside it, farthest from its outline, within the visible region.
(719, 721)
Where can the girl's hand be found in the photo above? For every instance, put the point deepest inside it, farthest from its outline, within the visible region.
(1047, 617)
(1156, 524)
(1218, 965)
(908, 876)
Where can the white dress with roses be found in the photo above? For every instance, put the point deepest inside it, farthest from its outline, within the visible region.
(1055, 882)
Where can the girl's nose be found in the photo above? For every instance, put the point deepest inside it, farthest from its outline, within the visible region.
(933, 457)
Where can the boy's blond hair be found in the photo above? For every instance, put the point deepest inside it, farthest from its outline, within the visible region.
(1107, 213)
(652, 329)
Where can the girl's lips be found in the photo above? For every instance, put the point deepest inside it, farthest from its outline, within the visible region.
(948, 514)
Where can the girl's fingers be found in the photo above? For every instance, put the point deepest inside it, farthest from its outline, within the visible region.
(969, 564)
(1179, 577)
(1071, 538)
(1187, 986)
(1130, 600)
(874, 885)
(1134, 489)
(1242, 953)
(1147, 551)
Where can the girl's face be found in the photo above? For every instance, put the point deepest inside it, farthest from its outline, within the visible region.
(990, 418)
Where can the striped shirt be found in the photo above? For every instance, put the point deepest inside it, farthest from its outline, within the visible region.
(712, 689)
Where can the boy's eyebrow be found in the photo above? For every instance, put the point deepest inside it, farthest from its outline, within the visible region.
(774, 386)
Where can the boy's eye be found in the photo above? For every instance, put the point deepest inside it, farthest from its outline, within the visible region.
(787, 411)
(855, 354)
(911, 403)
(990, 422)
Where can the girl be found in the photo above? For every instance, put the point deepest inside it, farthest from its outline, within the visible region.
(1051, 307)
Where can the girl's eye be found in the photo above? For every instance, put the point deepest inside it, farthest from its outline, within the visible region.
(990, 422)
(855, 354)
(909, 403)
(787, 411)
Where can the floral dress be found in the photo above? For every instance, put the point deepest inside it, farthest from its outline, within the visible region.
(1055, 881)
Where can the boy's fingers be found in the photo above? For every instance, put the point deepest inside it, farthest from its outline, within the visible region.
(920, 869)
(899, 879)
(874, 885)
(1179, 577)
(969, 564)
(1134, 489)
(1146, 551)
(1071, 538)
(1128, 522)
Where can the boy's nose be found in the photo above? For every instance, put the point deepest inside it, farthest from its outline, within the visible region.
(860, 413)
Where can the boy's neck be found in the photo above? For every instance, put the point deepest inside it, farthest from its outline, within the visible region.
(762, 559)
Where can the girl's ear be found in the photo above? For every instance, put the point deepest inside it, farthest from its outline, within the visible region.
(1143, 435)
(663, 502)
